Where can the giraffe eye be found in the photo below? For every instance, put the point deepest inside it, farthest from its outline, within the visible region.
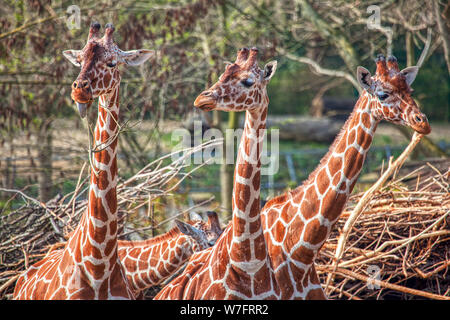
(248, 82)
(382, 96)
(111, 64)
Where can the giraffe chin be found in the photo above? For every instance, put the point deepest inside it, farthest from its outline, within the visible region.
(206, 107)
(419, 124)
(426, 129)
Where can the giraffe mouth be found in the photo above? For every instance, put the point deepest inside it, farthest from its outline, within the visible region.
(206, 107)
(83, 100)
(422, 129)
(205, 103)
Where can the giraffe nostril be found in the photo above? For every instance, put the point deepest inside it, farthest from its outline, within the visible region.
(74, 85)
(418, 119)
(206, 93)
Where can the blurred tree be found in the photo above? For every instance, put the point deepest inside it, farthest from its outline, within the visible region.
(34, 88)
(35, 79)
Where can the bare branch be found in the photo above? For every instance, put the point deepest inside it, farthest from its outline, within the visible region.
(27, 25)
(425, 50)
(443, 33)
(320, 70)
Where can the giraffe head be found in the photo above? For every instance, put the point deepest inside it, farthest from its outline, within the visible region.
(195, 233)
(99, 61)
(241, 87)
(211, 229)
(391, 89)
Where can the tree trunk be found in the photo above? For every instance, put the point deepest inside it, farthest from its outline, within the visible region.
(443, 32)
(44, 145)
(410, 60)
(305, 129)
(227, 170)
(333, 35)
(317, 106)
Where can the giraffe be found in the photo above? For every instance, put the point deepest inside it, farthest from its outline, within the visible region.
(89, 267)
(237, 266)
(150, 262)
(297, 223)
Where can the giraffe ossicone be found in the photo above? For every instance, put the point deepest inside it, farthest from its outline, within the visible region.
(88, 267)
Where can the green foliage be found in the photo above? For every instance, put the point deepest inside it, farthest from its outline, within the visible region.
(432, 89)
(286, 96)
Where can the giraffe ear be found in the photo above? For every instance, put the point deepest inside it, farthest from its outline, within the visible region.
(136, 57)
(72, 56)
(214, 223)
(364, 78)
(269, 70)
(410, 74)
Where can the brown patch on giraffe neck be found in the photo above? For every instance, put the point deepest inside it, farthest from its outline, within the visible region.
(284, 278)
(304, 255)
(315, 233)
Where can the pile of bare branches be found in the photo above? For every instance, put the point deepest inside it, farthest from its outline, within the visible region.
(27, 233)
(399, 247)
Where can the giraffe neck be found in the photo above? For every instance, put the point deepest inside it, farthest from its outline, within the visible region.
(321, 199)
(99, 224)
(247, 243)
(149, 262)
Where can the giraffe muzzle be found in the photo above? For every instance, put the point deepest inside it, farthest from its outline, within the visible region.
(82, 96)
(205, 101)
(419, 122)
